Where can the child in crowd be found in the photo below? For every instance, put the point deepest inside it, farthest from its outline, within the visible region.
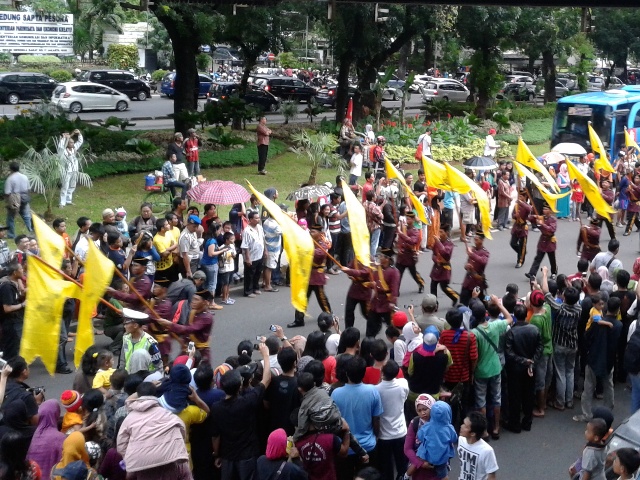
(71, 401)
(437, 438)
(594, 453)
(225, 271)
(577, 198)
(121, 221)
(102, 380)
(595, 314)
(626, 463)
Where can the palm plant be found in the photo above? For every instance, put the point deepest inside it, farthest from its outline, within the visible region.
(45, 170)
(319, 149)
(289, 110)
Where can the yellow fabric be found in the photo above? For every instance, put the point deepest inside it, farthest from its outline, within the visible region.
(190, 416)
(98, 271)
(358, 221)
(629, 141)
(435, 173)
(51, 245)
(551, 198)
(591, 191)
(392, 172)
(460, 183)
(597, 147)
(70, 419)
(162, 243)
(103, 378)
(299, 247)
(46, 295)
(526, 158)
(73, 449)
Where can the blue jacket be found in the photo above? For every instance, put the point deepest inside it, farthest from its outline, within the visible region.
(437, 436)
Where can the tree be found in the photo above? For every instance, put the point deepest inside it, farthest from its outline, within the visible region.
(488, 31)
(617, 35)
(320, 151)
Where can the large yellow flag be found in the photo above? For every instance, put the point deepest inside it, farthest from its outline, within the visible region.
(98, 271)
(526, 158)
(435, 173)
(460, 183)
(51, 245)
(629, 141)
(598, 147)
(299, 247)
(591, 191)
(551, 198)
(358, 222)
(392, 172)
(46, 295)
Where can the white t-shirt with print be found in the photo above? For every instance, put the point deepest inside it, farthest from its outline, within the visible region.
(477, 460)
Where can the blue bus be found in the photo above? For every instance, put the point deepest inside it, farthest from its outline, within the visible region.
(609, 112)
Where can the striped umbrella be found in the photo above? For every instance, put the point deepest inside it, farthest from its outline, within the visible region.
(219, 192)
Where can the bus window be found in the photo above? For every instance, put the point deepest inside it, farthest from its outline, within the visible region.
(571, 123)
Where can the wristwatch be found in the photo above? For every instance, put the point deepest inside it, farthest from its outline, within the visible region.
(284, 339)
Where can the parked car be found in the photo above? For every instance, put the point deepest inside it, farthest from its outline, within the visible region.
(18, 86)
(119, 80)
(445, 89)
(518, 92)
(168, 84)
(597, 84)
(286, 88)
(76, 97)
(568, 83)
(393, 90)
(257, 97)
(419, 81)
(519, 79)
(561, 88)
(327, 95)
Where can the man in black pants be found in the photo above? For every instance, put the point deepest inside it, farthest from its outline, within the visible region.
(359, 291)
(252, 254)
(264, 134)
(547, 224)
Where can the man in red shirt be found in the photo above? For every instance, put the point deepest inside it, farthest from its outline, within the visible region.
(60, 226)
(369, 179)
(191, 147)
(264, 134)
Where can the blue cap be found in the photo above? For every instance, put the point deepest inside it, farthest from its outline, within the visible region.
(74, 471)
(194, 219)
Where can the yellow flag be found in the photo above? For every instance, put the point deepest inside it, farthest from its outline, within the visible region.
(601, 162)
(435, 173)
(50, 243)
(299, 247)
(526, 158)
(629, 141)
(98, 271)
(358, 223)
(392, 172)
(46, 295)
(462, 184)
(591, 191)
(551, 198)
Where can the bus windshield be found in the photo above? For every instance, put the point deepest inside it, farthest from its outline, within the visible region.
(570, 123)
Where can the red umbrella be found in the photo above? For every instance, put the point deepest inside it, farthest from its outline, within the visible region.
(219, 192)
(350, 110)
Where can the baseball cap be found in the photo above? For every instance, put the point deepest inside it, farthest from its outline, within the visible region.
(73, 471)
(194, 220)
(429, 301)
(199, 275)
(399, 319)
(430, 338)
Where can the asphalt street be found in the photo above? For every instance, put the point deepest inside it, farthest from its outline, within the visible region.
(544, 453)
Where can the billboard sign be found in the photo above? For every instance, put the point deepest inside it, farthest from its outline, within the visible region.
(35, 33)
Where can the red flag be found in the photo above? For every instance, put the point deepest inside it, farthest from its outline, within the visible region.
(350, 110)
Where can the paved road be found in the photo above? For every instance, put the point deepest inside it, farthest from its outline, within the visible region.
(545, 452)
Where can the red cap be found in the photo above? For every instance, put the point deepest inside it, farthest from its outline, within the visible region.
(399, 319)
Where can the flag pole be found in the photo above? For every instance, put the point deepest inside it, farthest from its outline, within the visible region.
(69, 279)
(328, 254)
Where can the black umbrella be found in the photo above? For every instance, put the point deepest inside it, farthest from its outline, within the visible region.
(481, 163)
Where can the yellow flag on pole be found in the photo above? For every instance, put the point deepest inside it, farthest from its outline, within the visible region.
(435, 173)
(358, 222)
(551, 198)
(46, 295)
(51, 245)
(98, 271)
(299, 247)
(598, 147)
(629, 141)
(460, 183)
(392, 172)
(591, 191)
(526, 158)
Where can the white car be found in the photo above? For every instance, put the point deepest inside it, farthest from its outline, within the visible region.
(419, 81)
(445, 89)
(78, 96)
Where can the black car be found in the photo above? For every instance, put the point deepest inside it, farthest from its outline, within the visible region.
(327, 95)
(518, 92)
(285, 88)
(120, 80)
(255, 96)
(17, 86)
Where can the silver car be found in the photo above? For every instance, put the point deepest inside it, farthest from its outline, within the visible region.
(450, 90)
(597, 84)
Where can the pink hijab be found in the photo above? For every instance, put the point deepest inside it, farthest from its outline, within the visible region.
(636, 270)
(277, 445)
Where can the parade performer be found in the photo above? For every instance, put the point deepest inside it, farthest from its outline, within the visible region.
(386, 287)
(547, 224)
(441, 271)
(477, 260)
(359, 291)
(609, 196)
(408, 244)
(633, 210)
(520, 229)
(589, 240)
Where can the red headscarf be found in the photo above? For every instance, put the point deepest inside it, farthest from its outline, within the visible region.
(636, 270)
(277, 445)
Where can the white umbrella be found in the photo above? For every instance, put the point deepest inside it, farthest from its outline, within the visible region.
(552, 158)
(569, 149)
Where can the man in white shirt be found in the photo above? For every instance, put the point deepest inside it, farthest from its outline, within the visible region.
(17, 185)
(68, 149)
(356, 165)
(425, 139)
(490, 146)
(96, 233)
(607, 259)
(253, 252)
(190, 246)
(477, 458)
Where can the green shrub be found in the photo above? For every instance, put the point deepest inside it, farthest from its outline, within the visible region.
(534, 132)
(158, 75)
(203, 62)
(61, 76)
(122, 56)
(38, 59)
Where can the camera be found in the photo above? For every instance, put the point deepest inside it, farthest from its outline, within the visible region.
(36, 390)
(256, 347)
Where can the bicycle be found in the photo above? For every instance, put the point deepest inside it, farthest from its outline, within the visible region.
(159, 197)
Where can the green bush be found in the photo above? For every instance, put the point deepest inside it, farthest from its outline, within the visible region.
(523, 113)
(122, 56)
(158, 75)
(38, 59)
(61, 76)
(534, 132)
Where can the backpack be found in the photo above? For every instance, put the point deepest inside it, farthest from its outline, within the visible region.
(632, 354)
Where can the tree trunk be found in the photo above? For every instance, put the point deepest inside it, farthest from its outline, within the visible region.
(313, 174)
(404, 57)
(342, 93)
(483, 90)
(549, 73)
(428, 52)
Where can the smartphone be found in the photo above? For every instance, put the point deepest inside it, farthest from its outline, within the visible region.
(3, 362)
(259, 338)
(191, 347)
(256, 347)
(487, 298)
(273, 328)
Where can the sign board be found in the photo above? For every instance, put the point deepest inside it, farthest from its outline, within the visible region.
(26, 32)
(580, 111)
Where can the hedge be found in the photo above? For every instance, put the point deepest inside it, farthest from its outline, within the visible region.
(208, 159)
(38, 59)
(534, 132)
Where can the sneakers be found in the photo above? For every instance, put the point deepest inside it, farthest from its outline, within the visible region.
(251, 295)
(228, 301)
(581, 418)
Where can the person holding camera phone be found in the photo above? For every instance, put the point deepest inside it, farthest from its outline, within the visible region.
(20, 400)
(68, 148)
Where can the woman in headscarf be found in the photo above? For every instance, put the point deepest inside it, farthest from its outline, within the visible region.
(413, 339)
(73, 449)
(46, 445)
(277, 462)
(607, 284)
(564, 182)
(635, 275)
(423, 404)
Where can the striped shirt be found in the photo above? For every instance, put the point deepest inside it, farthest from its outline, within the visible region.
(272, 235)
(334, 221)
(459, 371)
(565, 325)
